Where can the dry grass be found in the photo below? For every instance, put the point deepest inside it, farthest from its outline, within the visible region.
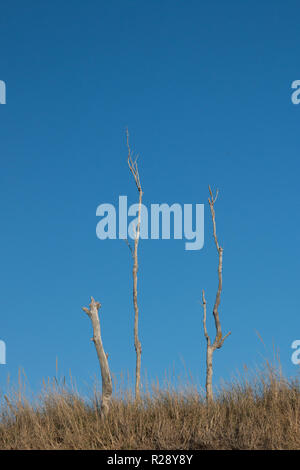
(261, 413)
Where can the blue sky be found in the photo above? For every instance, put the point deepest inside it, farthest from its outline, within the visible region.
(205, 90)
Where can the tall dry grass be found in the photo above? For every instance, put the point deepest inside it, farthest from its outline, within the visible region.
(261, 412)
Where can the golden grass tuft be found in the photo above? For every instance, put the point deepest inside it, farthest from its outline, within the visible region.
(261, 413)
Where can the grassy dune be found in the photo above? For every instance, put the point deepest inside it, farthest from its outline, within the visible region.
(261, 413)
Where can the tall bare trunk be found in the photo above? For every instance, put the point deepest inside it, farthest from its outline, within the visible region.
(209, 373)
(137, 345)
(219, 338)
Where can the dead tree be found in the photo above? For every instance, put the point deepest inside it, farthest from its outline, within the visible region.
(105, 373)
(132, 163)
(219, 338)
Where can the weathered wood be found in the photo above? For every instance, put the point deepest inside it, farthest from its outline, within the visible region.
(137, 345)
(219, 338)
(105, 373)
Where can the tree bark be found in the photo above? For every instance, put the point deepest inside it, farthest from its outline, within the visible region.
(209, 373)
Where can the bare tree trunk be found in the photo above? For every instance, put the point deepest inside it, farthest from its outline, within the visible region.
(209, 373)
(219, 339)
(137, 345)
(105, 373)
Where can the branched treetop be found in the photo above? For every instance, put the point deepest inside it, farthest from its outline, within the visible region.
(219, 339)
(132, 163)
(133, 166)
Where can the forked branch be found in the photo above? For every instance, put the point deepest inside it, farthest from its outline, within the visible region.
(219, 338)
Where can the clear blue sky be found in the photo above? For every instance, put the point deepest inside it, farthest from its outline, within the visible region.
(205, 90)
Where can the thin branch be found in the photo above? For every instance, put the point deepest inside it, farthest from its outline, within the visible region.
(133, 164)
(129, 246)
